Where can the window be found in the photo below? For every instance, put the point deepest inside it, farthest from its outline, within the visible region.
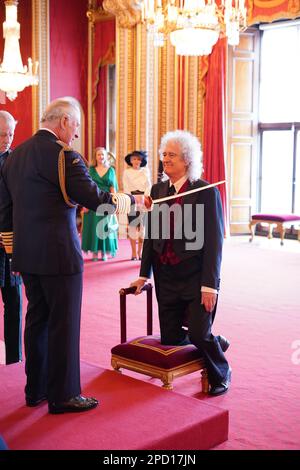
(279, 119)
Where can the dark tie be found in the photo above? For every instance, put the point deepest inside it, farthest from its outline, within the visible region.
(172, 190)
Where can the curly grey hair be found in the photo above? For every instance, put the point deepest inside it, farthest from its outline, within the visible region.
(190, 148)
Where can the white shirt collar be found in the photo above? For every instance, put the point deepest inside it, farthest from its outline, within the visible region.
(178, 183)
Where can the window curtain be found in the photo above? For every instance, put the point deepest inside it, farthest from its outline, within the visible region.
(103, 55)
(214, 167)
(271, 10)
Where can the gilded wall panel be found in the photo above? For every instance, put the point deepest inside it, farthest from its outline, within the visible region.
(40, 52)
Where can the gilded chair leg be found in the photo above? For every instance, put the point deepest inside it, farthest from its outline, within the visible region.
(252, 226)
(167, 382)
(204, 381)
(116, 366)
(270, 234)
(282, 233)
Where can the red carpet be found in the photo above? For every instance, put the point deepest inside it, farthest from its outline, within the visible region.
(259, 311)
(132, 415)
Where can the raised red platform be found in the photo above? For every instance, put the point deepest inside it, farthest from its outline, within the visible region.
(132, 415)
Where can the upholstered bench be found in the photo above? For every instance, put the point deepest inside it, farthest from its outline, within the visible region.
(145, 354)
(281, 221)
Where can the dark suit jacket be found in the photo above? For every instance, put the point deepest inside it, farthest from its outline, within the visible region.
(6, 278)
(210, 254)
(46, 241)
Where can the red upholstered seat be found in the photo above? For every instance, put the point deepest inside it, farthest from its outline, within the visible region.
(281, 221)
(145, 354)
(276, 217)
(148, 349)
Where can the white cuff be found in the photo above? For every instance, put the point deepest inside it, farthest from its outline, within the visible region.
(209, 289)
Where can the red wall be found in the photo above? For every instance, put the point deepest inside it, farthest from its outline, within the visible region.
(68, 58)
(69, 50)
(21, 107)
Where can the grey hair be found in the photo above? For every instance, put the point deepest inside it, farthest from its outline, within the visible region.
(8, 118)
(190, 148)
(57, 108)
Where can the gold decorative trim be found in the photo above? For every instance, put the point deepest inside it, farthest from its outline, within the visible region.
(171, 84)
(90, 117)
(202, 71)
(127, 12)
(108, 58)
(180, 91)
(62, 172)
(98, 14)
(40, 52)
(137, 342)
(192, 95)
(123, 70)
(131, 89)
(176, 88)
(137, 94)
(165, 375)
(142, 85)
(292, 12)
(163, 92)
(186, 95)
(151, 84)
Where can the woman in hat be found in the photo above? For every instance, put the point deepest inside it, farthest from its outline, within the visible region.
(136, 180)
(100, 232)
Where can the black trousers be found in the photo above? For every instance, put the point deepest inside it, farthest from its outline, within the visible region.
(52, 330)
(12, 300)
(179, 302)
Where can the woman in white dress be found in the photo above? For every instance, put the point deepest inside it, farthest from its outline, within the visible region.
(136, 180)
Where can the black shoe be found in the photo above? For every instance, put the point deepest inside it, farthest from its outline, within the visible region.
(223, 387)
(74, 405)
(224, 343)
(34, 401)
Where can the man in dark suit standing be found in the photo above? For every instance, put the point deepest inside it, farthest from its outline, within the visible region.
(10, 284)
(183, 247)
(41, 183)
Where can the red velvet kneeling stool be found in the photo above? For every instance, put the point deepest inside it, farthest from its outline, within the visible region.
(145, 354)
(281, 221)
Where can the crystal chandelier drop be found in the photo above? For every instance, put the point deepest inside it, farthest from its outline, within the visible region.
(195, 25)
(14, 76)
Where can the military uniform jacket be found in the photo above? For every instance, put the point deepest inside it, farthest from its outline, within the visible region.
(207, 220)
(46, 240)
(5, 272)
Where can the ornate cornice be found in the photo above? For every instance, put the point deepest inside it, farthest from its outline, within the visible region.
(97, 14)
(127, 12)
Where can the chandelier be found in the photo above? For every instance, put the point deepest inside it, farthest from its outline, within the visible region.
(195, 25)
(14, 77)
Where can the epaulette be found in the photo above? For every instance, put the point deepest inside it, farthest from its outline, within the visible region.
(62, 170)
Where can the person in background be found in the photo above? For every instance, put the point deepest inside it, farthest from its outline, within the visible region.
(100, 232)
(136, 180)
(186, 262)
(10, 283)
